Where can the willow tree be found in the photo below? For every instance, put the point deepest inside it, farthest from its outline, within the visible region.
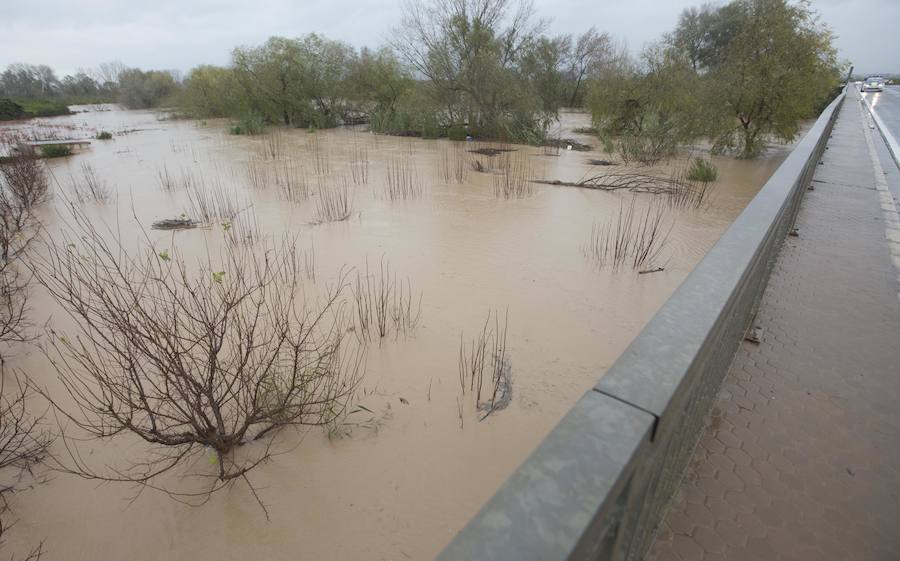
(766, 66)
(471, 54)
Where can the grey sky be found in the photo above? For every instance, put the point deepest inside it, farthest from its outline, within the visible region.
(180, 34)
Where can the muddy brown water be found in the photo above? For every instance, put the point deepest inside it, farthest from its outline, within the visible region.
(407, 477)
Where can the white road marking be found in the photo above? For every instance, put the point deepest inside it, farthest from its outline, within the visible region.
(888, 206)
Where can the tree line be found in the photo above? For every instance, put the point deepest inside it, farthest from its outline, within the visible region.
(738, 74)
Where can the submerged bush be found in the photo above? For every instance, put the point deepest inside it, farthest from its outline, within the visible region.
(702, 170)
(249, 124)
(56, 151)
(10, 110)
(457, 132)
(104, 135)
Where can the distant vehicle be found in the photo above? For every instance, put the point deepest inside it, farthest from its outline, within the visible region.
(873, 84)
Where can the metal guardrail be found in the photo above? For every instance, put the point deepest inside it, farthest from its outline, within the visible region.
(596, 487)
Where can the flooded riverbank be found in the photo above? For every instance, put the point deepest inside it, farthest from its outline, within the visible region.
(416, 463)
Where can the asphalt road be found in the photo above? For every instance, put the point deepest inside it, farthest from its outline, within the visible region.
(887, 106)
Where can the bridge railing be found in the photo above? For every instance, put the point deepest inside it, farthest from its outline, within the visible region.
(596, 487)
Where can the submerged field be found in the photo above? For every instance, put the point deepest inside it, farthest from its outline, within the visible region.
(461, 239)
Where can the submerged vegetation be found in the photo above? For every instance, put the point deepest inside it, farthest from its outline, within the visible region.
(197, 363)
(722, 74)
(702, 170)
(632, 238)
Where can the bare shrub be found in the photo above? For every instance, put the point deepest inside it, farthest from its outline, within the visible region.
(23, 443)
(26, 180)
(258, 174)
(402, 180)
(211, 204)
(335, 200)
(359, 164)
(486, 353)
(243, 228)
(291, 181)
(321, 161)
(454, 163)
(18, 227)
(89, 187)
(633, 239)
(166, 182)
(383, 303)
(678, 191)
(515, 180)
(196, 361)
(273, 145)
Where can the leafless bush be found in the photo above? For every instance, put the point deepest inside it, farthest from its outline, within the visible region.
(291, 180)
(194, 360)
(321, 161)
(258, 174)
(166, 181)
(678, 191)
(211, 204)
(486, 352)
(186, 180)
(18, 226)
(23, 443)
(26, 180)
(684, 193)
(383, 302)
(515, 180)
(454, 163)
(402, 180)
(243, 228)
(89, 187)
(335, 200)
(359, 164)
(273, 145)
(635, 239)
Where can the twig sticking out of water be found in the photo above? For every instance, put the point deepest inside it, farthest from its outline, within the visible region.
(454, 163)
(359, 164)
(291, 180)
(273, 145)
(335, 200)
(213, 204)
(486, 353)
(676, 188)
(90, 187)
(516, 178)
(403, 182)
(258, 174)
(634, 239)
(384, 302)
(321, 162)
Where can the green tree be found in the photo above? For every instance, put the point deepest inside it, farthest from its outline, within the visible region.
(470, 53)
(765, 64)
(211, 91)
(139, 89)
(651, 109)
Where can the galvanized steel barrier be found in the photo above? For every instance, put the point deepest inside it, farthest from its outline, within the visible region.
(596, 487)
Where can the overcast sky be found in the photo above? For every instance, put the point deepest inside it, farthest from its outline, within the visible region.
(180, 34)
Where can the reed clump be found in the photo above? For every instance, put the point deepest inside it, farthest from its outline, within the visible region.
(632, 238)
(334, 202)
(402, 180)
(89, 187)
(484, 360)
(384, 303)
(515, 180)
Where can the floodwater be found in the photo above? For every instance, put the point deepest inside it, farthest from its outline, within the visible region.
(407, 476)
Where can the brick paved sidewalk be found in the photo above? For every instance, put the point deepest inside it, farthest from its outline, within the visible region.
(800, 458)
